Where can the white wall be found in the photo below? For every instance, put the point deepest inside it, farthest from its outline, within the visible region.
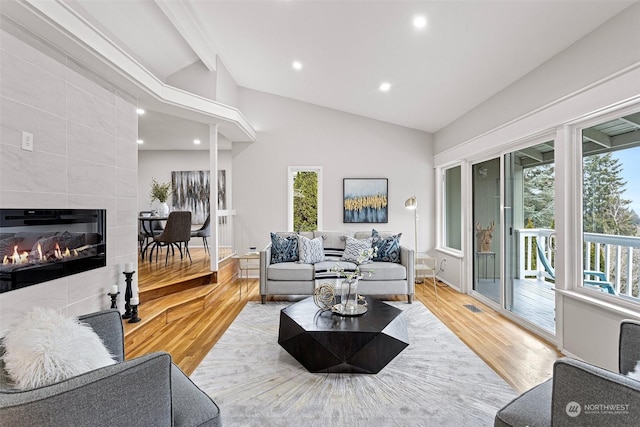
(540, 102)
(195, 78)
(571, 70)
(85, 156)
(226, 87)
(293, 133)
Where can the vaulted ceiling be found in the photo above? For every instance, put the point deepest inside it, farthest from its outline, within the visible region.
(467, 52)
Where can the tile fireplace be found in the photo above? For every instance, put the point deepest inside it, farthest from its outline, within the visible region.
(38, 245)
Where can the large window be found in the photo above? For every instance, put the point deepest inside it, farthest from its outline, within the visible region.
(611, 203)
(304, 198)
(452, 215)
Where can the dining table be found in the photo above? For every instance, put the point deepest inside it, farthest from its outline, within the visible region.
(146, 225)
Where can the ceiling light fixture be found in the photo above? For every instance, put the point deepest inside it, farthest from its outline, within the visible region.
(140, 111)
(297, 65)
(140, 141)
(419, 21)
(196, 141)
(384, 87)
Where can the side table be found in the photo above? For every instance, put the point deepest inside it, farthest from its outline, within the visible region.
(246, 263)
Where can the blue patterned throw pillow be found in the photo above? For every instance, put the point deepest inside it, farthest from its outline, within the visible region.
(354, 248)
(311, 250)
(283, 249)
(388, 249)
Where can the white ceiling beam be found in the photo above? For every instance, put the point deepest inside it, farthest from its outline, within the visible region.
(178, 13)
(596, 136)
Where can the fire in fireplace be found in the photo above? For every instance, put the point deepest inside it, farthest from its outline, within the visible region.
(38, 245)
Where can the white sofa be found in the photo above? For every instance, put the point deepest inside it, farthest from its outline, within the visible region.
(294, 278)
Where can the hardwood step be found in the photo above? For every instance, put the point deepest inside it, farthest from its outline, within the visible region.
(168, 294)
(155, 290)
(161, 311)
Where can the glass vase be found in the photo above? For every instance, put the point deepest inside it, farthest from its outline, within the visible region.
(349, 296)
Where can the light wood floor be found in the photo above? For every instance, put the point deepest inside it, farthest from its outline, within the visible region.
(519, 357)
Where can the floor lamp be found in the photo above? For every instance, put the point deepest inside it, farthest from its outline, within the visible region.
(412, 204)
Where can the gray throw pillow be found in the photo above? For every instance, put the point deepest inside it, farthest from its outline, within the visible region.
(354, 249)
(311, 251)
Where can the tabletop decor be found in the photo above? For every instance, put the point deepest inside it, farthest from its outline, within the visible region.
(324, 296)
(128, 293)
(350, 303)
(160, 191)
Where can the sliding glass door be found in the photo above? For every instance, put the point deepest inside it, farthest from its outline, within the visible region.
(513, 250)
(529, 241)
(486, 221)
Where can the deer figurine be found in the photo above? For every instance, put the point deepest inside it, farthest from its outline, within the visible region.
(484, 236)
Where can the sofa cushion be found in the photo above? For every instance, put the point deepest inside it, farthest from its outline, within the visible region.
(383, 271)
(322, 270)
(365, 234)
(310, 250)
(290, 271)
(387, 249)
(355, 248)
(334, 242)
(284, 248)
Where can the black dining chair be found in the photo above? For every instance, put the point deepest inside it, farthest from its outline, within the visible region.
(176, 231)
(204, 232)
(144, 234)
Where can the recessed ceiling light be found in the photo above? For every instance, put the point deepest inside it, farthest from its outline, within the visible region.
(196, 141)
(419, 21)
(140, 141)
(297, 65)
(140, 111)
(384, 87)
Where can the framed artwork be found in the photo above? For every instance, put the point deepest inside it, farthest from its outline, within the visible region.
(190, 192)
(222, 190)
(365, 200)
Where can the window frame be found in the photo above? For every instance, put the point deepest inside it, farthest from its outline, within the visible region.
(575, 260)
(441, 211)
(291, 171)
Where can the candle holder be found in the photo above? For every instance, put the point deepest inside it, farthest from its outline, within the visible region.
(127, 295)
(113, 299)
(134, 314)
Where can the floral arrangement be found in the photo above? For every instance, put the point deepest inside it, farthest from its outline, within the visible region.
(364, 257)
(160, 190)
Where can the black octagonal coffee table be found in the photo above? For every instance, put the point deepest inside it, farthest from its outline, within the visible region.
(327, 342)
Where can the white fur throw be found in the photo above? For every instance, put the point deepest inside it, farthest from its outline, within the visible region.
(635, 374)
(46, 347)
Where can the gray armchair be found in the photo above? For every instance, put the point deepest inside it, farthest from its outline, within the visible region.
(145, 391)
(581, 394)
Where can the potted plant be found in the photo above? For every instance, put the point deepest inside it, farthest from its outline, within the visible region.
(160, 191)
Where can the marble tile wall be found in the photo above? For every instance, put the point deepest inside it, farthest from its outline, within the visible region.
(85, 156)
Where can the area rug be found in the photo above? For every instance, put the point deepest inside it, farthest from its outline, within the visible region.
(436, 381)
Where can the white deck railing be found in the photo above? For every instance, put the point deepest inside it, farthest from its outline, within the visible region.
(226, 237)
(618, 257)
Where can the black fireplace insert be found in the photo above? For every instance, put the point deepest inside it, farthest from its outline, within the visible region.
(38, 245)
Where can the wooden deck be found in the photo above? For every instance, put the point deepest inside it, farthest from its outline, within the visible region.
(533, 300)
